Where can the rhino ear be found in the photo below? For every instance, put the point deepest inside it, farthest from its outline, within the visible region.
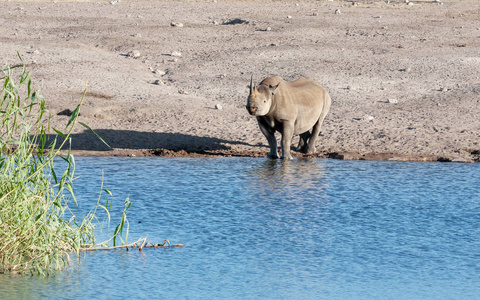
(273, 88)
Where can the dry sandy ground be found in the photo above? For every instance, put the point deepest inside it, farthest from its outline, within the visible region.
(425, 56)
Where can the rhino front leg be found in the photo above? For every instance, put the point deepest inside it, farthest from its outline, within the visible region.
(287, 134)
(269, 133)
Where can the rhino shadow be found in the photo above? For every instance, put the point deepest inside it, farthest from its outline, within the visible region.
(130, 139)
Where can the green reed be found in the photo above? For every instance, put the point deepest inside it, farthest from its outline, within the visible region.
(36, 236)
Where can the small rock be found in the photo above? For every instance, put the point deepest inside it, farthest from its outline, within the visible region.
(289, 17)
(158, 82)
(410, 3)
(367, 118)
(268, 29)
(218, 106)
(36, 52)
(131, 155)
(159, 72)
(173, 24)
(134, 54)
(176, 54)
(315, 14)
(182, 92)
(215, 22)
(393, 101)
(113, 2)
(337, 11)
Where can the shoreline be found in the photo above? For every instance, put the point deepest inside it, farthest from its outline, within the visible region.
(246, 153)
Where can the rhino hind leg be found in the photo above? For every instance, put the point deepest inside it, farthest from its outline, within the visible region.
(303, 142)
(314, 136)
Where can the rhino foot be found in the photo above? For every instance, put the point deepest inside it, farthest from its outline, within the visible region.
(272, 155)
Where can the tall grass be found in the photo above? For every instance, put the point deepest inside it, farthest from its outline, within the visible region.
(36, 236)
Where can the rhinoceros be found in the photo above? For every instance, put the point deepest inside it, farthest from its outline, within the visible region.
(291, 108)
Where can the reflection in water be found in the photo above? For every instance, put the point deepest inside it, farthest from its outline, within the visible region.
(290, 179)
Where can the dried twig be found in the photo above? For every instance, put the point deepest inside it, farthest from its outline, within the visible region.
(143, 244)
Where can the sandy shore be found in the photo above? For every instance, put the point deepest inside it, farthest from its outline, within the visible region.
(171, 77)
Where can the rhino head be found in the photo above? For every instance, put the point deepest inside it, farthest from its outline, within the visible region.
(260, 99)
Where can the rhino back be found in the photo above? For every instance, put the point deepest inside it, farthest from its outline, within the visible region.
(307, 99)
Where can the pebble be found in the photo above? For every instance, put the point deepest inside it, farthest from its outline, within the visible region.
(134, 54)
(158, 82)
(176, 54)
(160, 72)
(174, 24)
(393, 101)
(289, 17)
(268, 29)
(337, 11)
(218, 106)
(367, 118)
(315, 14)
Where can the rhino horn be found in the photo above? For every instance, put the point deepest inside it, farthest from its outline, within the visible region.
(251, 85)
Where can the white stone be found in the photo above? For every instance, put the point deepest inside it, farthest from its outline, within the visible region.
(218, 106)
(337, 11)
(134, 54)
(176, 54)
(393, 101)
(367, 118)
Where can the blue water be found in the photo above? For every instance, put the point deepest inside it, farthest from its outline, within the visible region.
(255, 228)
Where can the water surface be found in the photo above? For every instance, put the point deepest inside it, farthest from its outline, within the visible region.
(260, 228)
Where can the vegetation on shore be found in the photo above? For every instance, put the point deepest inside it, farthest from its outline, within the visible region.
(38, 230)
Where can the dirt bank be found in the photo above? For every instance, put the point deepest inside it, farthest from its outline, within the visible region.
(404, 78)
